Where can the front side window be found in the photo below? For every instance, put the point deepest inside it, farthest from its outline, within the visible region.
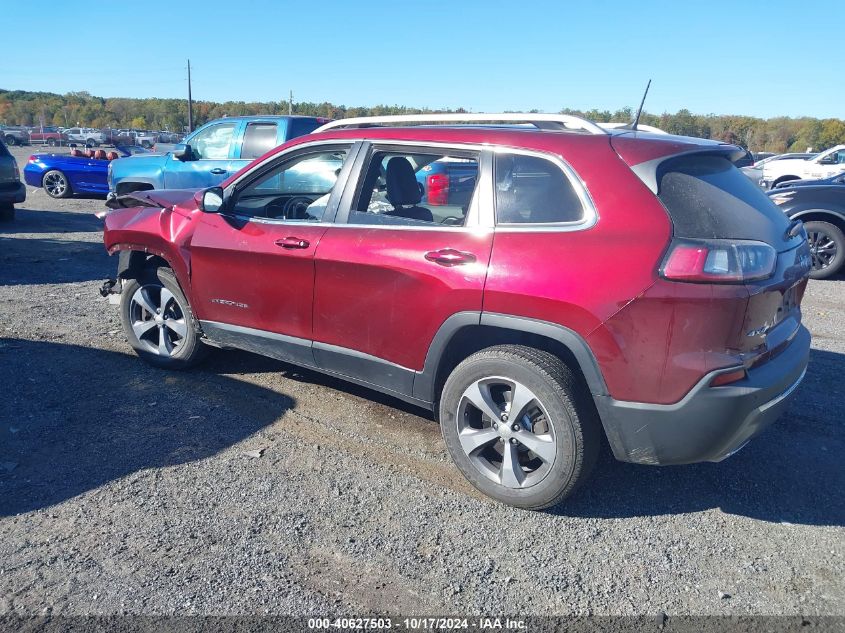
(259, 138)
(297, 189)
(213, 142)
(534, 190)
(416, 188)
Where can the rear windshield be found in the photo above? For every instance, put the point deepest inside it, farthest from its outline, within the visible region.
(708, 198)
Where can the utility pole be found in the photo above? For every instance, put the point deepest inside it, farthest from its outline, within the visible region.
(290, 103)
(190, 102)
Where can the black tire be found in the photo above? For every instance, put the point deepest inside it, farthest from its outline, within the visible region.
(56, 184)
(91, 143)
(186, 351)
(7, 212)
(11, 140)
(566, 410)
(51, 142)
(827, 248)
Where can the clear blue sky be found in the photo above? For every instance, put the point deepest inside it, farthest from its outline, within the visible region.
(724, 57)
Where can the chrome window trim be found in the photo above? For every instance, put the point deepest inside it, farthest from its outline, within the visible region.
(591, 216)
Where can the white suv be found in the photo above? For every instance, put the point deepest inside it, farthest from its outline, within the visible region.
(828, 163)
(86, 135)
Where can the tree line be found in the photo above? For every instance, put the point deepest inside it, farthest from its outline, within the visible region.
(17, 107)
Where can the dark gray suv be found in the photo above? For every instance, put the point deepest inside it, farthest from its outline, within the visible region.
(12, 190)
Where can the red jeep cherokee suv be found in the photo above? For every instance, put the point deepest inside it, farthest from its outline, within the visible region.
(564, 282)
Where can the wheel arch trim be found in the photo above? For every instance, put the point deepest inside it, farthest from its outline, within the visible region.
(425, 380)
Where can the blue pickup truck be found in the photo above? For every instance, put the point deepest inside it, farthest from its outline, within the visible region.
(208, 156)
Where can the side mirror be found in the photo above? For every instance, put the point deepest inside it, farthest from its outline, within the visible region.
(181, 151)
(212, 200)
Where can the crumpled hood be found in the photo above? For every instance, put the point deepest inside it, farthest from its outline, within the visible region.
(161, 198)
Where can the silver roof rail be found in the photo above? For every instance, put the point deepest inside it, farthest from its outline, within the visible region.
(640, 127)
(540, 121)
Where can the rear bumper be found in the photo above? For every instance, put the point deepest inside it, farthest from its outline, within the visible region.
(710, 423)
(13, 194)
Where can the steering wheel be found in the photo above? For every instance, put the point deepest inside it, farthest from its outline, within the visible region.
(297, 207)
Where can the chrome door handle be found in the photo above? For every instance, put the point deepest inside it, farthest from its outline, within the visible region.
(292, 242)
(217, 171)
(450, 257)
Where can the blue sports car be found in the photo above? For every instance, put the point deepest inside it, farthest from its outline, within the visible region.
(81, 171)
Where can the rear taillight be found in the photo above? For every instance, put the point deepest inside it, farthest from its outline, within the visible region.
(718, 261)
(437, 189)
(33, 159)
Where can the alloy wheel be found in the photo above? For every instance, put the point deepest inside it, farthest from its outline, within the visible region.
(506, 432)
(55, 184)
(158, 320)
(823, 249)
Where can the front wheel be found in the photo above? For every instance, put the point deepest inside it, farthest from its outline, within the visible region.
(11, 140)
(519, 425)
(51, 142)
(91, 143)
(158, 322)
(56, 184)
(827, 248)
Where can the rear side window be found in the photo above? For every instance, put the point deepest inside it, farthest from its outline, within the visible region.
(301, 127)
(534, 190)
(259, 139)
(707, 197)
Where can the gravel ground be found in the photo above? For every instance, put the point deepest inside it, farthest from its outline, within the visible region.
(125, 489)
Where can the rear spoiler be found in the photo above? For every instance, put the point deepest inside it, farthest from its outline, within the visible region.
(645, 160)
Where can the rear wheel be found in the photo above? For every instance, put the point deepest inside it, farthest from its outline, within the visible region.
(11, 140)
(51, 142)
(519, 425)
(7, 212)
(827, 248)
(158, 321)
(56, 184)
(92, 143)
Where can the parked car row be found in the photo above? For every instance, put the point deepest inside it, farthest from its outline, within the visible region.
(90, 137)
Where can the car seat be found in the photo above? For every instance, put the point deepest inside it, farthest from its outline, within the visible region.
(112, 156)
(403, 191)
(76, 152)
(100, 154)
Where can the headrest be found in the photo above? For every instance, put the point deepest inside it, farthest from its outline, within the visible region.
(100, 154)
(76, 152)
(92, 153)
(402, 186)
(112, 156)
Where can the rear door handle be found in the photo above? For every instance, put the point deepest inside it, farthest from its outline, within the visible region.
(293, 242)
(450, 257)
(217, 171)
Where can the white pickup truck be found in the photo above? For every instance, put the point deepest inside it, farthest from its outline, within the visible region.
(828, 163)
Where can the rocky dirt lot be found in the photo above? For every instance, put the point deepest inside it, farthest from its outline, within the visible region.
(247, 486)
